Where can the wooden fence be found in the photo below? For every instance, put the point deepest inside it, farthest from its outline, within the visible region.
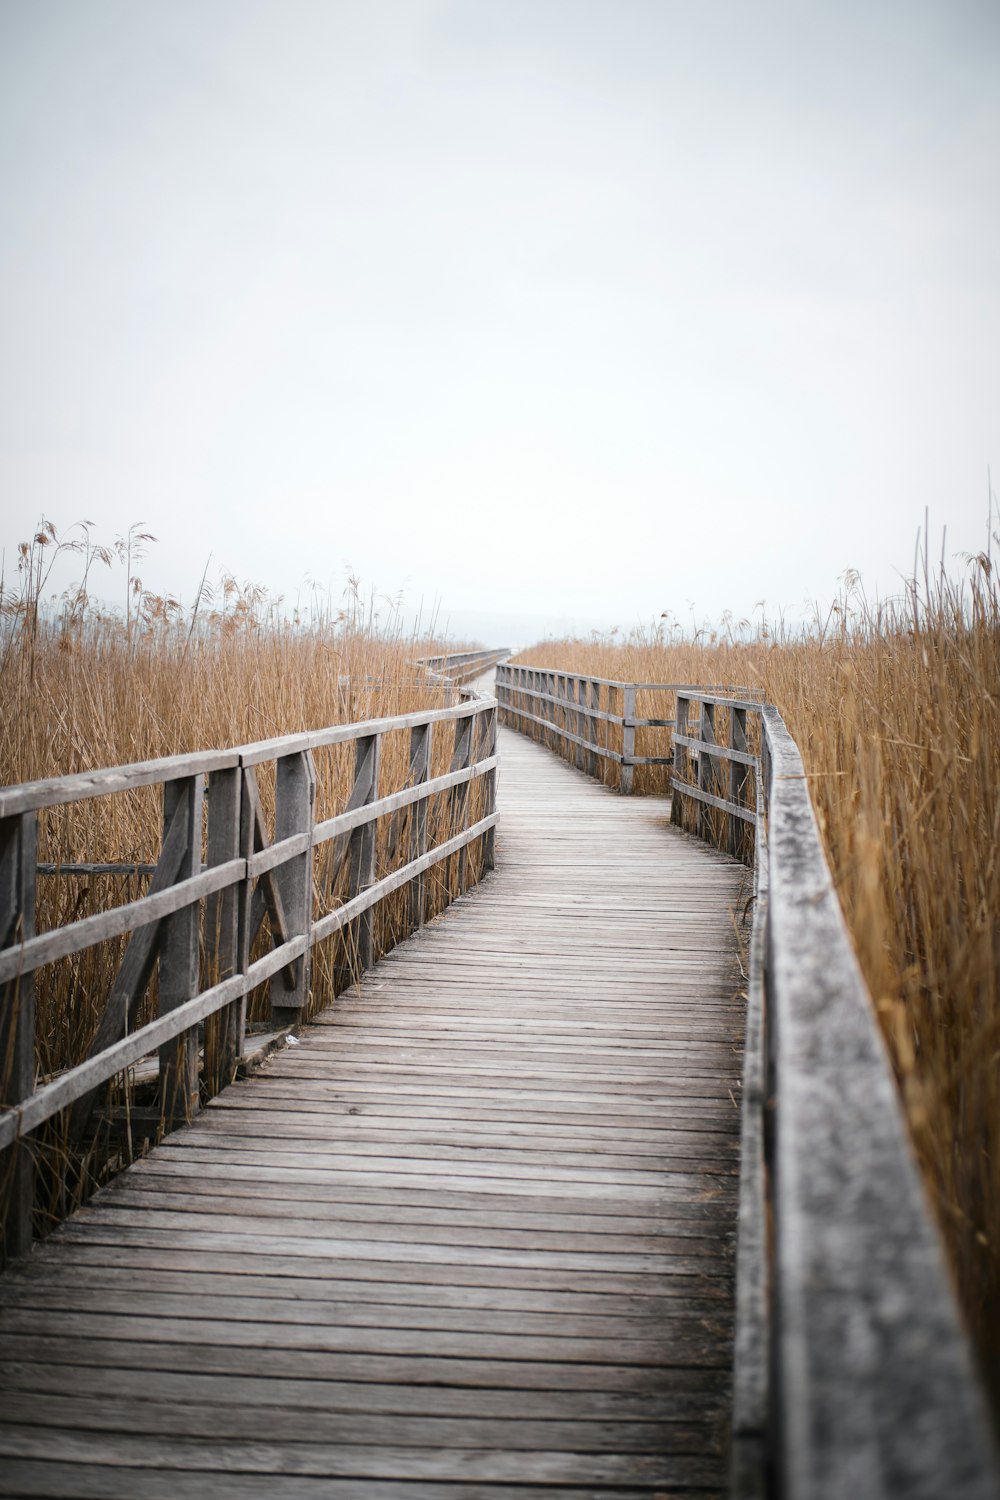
(221, 880)
(463, 666)
(853, 1375)
(593, 722)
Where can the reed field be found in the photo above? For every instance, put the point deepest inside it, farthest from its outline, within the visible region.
(83, 686)
(896, 710)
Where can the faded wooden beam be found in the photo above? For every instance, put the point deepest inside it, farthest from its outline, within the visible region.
(178, 968)
(18, 857)
(294, 807)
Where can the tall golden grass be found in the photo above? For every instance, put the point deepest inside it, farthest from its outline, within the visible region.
(896, 709)
(83, 686)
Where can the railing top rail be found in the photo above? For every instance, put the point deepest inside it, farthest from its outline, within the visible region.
(56, 791)
(461, 657)
(690, 689)
(723, 700)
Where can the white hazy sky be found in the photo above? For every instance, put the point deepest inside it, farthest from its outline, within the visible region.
(574, 308)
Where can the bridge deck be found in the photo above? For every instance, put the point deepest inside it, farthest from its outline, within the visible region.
(473, 1236)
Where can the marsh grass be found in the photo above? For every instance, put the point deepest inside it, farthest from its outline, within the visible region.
(896, 710)
(84, 687)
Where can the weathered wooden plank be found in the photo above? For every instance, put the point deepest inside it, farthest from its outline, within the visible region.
(277, 1394)
(99, 1482)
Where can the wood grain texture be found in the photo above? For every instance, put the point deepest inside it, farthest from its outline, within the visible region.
(472, 1236)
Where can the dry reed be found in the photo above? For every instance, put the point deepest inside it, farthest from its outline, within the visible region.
(896, 709)
(83, 687)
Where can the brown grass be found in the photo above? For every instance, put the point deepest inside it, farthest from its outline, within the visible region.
(83, 687)
(896, 710)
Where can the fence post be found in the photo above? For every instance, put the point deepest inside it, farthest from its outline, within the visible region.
(18, 860)
(459, 795)
(593, 725)
(178, 980)
(224, 1031)
(489, 842)
(420, 769)
(294, 806)
(706, 769)
(680, 761)
(576, 695)
(628, 738)
(361, 872)
(739, 777)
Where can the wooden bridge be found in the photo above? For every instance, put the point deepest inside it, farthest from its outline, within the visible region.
(473, 1233)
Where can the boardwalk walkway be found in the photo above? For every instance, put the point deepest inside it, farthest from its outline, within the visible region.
(472, 1237)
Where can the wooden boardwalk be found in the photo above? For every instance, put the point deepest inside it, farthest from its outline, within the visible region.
(471, 1237)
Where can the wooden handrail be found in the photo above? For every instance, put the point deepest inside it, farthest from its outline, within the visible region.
(853, 1375)
(247, 879)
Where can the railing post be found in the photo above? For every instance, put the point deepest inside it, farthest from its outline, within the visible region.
(294, 807)
(224, 1032)
(420, 769)
(178, 979)
(459, 795)
(361, 853)
(18, 860)
(680, 761)
(706, 769)
(490, 747)
(593, 725)
(739, 776)
(577, 696)
(628, 738)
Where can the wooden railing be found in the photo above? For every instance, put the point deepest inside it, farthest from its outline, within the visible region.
(464, 666)
(219, 883)
(853, 1375)
(590, 721)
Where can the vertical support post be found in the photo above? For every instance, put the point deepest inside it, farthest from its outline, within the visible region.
(294, 808)
(361, 868)
(594, 725)
(420, 770)
(490, 749)
(628, 738)
(179, 959)
(680, 762)
(706, 770)
(739, 776)
(18, 859)
(578, 696)
(224, 1031)
(459, 795)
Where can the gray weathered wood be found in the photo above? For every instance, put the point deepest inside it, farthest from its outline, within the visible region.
(421, 745)
(178, 958)
(362, 849)
(18, 858)
(294, 805)
(226, 913)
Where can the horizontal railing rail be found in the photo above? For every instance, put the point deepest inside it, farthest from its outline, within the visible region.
(218, 883)
(853, 1374)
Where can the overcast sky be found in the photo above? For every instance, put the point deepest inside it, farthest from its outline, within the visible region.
(584, 309)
